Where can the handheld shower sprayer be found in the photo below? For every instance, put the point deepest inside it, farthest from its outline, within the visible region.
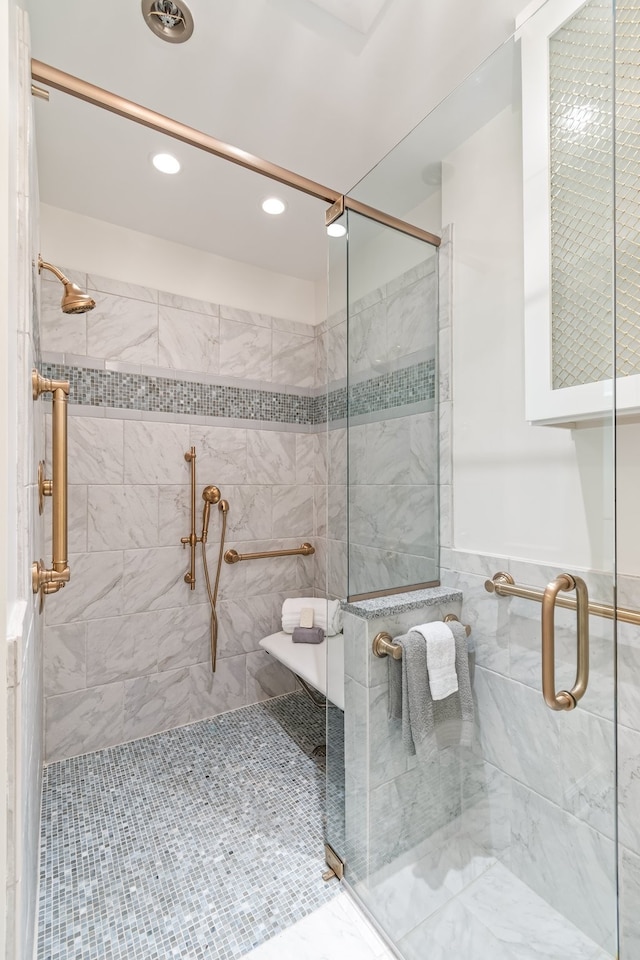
(210, 495)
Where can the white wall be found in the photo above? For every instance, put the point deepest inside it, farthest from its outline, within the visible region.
(7, 207)
(377, 255)
(627, 487)
(538, 493)
(21, 444)
(94, 246)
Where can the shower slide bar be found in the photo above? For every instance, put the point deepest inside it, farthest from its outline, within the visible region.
(383, 645)
(210, 495)
(44, 581)
(232, 556)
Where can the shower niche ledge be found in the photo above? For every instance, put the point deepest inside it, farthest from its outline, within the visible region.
(399, 603)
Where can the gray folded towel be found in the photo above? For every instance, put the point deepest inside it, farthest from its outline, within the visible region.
(428, 725)
(307, 635)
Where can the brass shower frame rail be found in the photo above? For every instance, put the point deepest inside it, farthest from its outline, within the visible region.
(232, 556)
(99, 97)
(504, 585)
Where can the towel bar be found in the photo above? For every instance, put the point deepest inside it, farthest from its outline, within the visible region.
(232, 556)
(383, 645)
(503, 585)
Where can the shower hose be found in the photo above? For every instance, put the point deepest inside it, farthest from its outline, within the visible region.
(223, 506)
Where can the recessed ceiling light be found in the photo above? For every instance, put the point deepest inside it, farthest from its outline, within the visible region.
(166, 163)
(274, 206)
(336, 230)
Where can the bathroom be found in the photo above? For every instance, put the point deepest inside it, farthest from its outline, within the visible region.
(392, 394)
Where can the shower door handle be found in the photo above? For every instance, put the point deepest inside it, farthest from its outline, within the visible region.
(565, 699)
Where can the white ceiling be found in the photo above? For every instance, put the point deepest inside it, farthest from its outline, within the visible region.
(322, 87)
(359, 14)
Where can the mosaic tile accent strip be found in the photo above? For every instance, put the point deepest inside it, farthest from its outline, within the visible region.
(397, 389)
(131, 391)
(201, 842)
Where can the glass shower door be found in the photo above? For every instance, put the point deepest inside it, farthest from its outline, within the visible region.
(504, 847)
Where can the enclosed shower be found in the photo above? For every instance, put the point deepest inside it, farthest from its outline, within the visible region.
(454, 444)
(520, 843)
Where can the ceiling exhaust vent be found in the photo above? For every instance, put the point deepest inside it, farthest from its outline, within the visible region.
(168, 20)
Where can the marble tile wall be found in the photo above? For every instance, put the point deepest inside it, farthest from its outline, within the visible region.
(388, 452)
(628, 689)
(127, 650)
(540, 790)
(23, 634)
(392, 463)
(134, 329)
(391, 802)
(535, 792)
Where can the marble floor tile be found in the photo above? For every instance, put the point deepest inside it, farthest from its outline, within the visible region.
(498, 918)
(334, 931)
(419, 889)
(520, 919)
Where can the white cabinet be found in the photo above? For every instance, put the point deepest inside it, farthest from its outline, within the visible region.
(572, 213)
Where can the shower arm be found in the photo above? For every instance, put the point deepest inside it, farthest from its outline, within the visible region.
(43, 265)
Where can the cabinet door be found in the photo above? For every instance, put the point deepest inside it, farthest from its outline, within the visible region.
(569, 214)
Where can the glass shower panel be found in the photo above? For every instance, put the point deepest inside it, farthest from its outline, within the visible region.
(505, 846)
(627, 447)
(331, 524)
(392, 409)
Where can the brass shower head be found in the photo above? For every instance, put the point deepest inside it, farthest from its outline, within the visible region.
(73, 299)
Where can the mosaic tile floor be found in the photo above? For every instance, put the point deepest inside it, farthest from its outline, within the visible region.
(202, 842)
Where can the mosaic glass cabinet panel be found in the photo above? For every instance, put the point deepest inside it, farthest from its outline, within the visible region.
(574, 219)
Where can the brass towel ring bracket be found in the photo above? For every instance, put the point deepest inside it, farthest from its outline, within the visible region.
(383, 645)
(43, 580)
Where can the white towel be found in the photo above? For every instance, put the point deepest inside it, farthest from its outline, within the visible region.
(326, 614)
(441, 658)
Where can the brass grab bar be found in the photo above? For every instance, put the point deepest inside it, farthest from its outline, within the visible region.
(383, 645)
(504, 585)
(232, 556)
(44, 581)
(565, 699)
